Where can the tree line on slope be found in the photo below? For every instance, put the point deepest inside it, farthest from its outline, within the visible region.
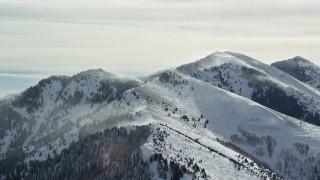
(111, 154)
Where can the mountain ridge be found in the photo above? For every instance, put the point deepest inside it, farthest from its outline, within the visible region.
(192, 128)
(257, 81)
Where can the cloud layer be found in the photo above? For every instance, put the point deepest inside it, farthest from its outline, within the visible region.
(142, 36)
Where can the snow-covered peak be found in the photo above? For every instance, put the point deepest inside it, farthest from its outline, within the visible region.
(244, 58)
(299, 59)
(219, 58)
(215, 59)
(96, 74)
(301, 69)
(296, 61)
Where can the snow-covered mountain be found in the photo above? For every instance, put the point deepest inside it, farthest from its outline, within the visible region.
(216, 117)
(301, 69)
(172, 125)
(259, 82)
(47, 117)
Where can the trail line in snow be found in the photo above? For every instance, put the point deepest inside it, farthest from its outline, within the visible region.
(277, 176)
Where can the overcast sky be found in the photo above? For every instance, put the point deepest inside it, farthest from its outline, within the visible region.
(39, 38)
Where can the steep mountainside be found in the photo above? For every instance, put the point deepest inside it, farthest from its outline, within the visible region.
(173, 125)
(47, 117)
(301, 69)
(215, 117)
(259, 82)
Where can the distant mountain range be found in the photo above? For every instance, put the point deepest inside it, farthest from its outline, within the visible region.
(226, 116)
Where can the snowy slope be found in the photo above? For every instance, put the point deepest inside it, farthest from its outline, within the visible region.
(301, 69)
(180, 148)
(230, 115)
(260, 82)
(166, 154)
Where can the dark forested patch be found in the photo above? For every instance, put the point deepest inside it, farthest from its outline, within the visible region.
(110, 90)
(111, 154)
(275, 98)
